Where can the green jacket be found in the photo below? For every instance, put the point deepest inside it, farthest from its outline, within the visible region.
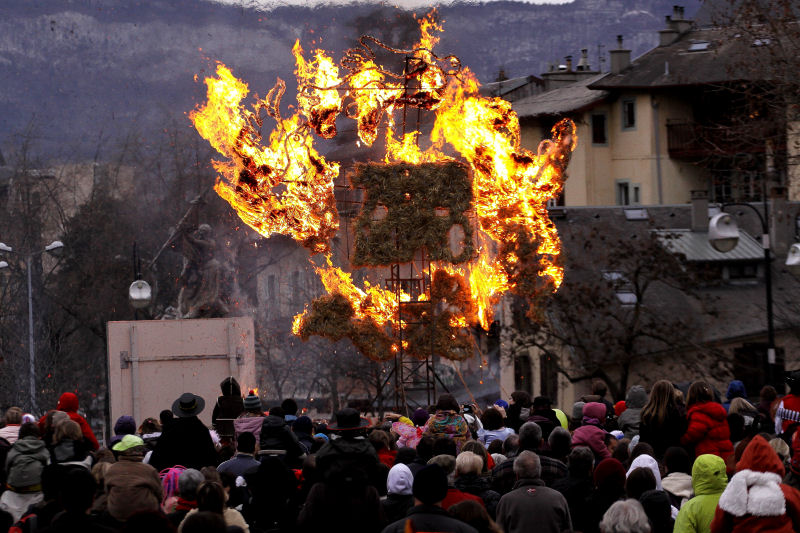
(708, 481)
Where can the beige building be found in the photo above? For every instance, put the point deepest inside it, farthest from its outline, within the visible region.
(672, 121)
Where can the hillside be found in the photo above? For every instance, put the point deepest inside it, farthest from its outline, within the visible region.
(77, 70)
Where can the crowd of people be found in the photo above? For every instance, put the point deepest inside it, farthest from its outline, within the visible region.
(657, 461)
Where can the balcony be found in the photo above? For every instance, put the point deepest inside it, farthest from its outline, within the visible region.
(692, 141)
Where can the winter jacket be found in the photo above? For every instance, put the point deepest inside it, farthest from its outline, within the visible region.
(448, 424)
(277, 435)
(429, 518)
(664, 435)
(679, 487)
(132, 487)
(359, 506)
(352, 460)
(455, 496)
(230, 404)
(629, 420)
(533, 507)
(68, 402)
(578, 493)
(249, 424)
(239, 464)
(24, 464)
(593, 437)
(481, 487)
(185, 441)
(396, 506)
(755, 500)
(10, 433)
(232, 517)
(70, 452)
(486, 436)
(708, 482)
(708, 430)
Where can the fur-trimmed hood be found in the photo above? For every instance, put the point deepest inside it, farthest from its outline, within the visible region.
(755, 489)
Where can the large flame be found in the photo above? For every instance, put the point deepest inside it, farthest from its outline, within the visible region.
(287, 187)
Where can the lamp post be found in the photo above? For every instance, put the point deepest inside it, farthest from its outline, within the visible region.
(723, 235)
(55, 248)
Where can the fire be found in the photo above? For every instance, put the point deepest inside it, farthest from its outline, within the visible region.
(287, 187)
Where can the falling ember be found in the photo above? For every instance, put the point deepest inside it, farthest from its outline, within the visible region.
(287, 187)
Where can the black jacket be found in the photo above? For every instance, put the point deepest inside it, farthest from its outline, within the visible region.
(185, 441)
(396, 506)
(661, 437)
(349, 462)
(481, 487)
(430, 518)
(277, 435)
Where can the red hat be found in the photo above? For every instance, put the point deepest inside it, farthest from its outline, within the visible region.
(620, 407)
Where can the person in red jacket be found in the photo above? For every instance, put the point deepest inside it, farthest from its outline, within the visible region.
(755, 499)
(788, 411)
(708, 430)
(69, 404)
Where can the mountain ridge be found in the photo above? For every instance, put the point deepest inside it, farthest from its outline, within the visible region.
(80, 67)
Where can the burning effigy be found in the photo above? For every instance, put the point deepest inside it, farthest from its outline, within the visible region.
(474, 176)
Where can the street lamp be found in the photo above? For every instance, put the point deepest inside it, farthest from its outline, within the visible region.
(723, 235)
(55, 248)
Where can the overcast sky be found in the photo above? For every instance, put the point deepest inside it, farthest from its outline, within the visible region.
(399, 3)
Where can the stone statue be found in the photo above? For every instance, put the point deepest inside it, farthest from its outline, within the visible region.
(201, 281)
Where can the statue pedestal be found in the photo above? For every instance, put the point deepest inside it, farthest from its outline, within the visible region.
(152, 362)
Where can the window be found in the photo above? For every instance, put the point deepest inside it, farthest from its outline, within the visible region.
(623, 192)
(628, 114)
(628, 193)
(599, 135)
(622, 287)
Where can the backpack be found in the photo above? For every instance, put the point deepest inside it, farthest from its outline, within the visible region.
(26, 524)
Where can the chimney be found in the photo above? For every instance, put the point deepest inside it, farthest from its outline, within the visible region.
(668, 35)
(501, 75)
(568, 60)
(700, 211)
(583, 64)
(620, 58)
(678, 22)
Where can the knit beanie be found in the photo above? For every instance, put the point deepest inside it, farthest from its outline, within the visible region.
(252, 401)
(125, 425)
(430, 485)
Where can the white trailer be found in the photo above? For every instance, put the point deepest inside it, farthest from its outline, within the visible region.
(152, 362)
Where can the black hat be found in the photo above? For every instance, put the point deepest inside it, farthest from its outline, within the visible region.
(348, 419)
(430, 485)
(188, 405)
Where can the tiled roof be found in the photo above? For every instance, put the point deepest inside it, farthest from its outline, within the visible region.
(694, 246)
(567, 99)
(699, 57)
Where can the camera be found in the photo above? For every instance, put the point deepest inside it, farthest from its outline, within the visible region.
(466, 408)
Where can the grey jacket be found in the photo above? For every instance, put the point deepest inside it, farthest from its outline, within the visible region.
(532, 506)
(25, 462)
(630, 419)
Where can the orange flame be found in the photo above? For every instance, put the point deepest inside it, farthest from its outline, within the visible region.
(287, 187)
